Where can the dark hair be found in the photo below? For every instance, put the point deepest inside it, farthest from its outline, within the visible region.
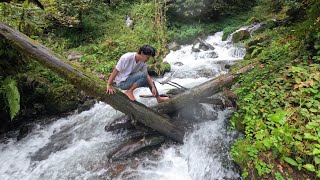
(147, 50)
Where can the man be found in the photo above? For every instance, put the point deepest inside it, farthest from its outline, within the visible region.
(131, 73)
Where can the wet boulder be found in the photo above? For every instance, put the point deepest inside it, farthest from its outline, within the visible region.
(25, 130)
(197, 113)
(178, 64)
(200, 44)
(158, 69)
(119, 124)
(86, 105)
(135, 145)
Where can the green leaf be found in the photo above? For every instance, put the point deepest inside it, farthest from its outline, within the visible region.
(279, 117)
(267, 142)
(309, 167)
(315, 151)
(290, 161)
(12, 94)
(312, 125)
(317, 160)
(310, 137)
(313, 110)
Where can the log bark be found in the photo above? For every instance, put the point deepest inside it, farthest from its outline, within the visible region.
(201, 91)
(90, 84)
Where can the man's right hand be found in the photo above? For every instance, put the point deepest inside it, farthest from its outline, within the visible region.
(110, 89)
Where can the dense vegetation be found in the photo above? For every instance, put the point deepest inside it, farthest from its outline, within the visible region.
(278, 102)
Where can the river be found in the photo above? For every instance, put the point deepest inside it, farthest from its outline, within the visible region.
(77, 146)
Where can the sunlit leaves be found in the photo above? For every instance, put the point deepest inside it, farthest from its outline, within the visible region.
(290, 161)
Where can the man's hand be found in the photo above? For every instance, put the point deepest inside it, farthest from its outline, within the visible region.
(110, 89)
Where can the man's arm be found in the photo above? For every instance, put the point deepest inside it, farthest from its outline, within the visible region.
(110, 88)
(149, 80)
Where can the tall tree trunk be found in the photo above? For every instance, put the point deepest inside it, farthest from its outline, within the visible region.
(90, 84)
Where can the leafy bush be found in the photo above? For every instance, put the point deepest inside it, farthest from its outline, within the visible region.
(279, 104)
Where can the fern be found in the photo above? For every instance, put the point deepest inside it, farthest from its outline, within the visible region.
(11, 93)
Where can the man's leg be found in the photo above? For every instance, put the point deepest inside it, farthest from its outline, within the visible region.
(158, 97)
(132, 82)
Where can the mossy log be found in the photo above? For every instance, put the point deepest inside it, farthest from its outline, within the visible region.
(90, 84)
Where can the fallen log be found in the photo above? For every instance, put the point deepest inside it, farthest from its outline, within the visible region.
(90, 84)
(201, 91)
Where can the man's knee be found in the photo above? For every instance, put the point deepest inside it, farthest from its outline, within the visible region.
(142, 82)
(142, 75)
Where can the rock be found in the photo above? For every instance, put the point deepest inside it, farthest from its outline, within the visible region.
(257, 40)
(120, 124)
(158, 68)
(25, 130)
(134, 146)
(227, 66)
(197, 113)
(174, 46)
(74, 56)
(129, 22)
(196, 48)
(206, 73)
(240, 36)
(86, 105)
(201, 44)
(178, 64)
(209, 55)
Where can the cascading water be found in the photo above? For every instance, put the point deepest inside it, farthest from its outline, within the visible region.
(77, 147)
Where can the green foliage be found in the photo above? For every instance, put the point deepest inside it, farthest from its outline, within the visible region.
(102, 48)
(183, 33)
(187, 32)
(204, 10)
(279, 103)
(25, 17)
(10, 90)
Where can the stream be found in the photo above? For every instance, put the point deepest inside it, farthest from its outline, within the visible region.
(77, 146)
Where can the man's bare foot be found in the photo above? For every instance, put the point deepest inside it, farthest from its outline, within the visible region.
(130, 95)
(162, 99)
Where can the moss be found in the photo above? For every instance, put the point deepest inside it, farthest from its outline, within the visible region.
(240, 35)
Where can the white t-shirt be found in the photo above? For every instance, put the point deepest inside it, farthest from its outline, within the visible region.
(127, 65)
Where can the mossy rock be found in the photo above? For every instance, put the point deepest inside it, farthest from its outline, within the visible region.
(62, 99)
(158, 69)
(240, 36)
(253, 20)
(53, 97)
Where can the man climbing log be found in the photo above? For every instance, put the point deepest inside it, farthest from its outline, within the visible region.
(131, 73)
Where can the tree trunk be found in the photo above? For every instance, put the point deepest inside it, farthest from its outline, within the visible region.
(201, 91)
(90, 84)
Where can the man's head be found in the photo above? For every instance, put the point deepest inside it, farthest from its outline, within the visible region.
(146, 52)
